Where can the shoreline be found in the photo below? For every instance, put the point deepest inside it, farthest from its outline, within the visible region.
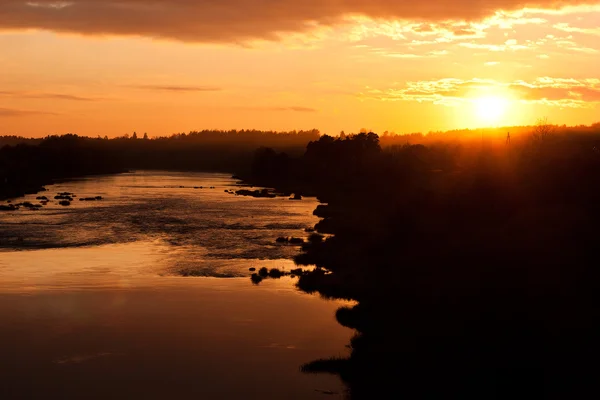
(40, 186)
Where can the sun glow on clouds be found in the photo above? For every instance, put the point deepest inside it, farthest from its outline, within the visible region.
(563, 92)
(182, 65)
(58, 5)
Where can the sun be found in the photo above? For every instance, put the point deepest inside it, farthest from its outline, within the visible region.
(490, 109)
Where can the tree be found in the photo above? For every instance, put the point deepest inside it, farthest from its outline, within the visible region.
(145, 136)
(542, 129)
(134, 135)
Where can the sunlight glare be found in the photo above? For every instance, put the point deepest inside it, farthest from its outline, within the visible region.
(490, 109)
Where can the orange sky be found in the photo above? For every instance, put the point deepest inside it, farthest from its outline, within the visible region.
(113, 67)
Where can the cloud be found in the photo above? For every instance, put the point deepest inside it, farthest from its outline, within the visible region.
(561, 92)
(586, 50)
(426, 33)
(299, 109)
(400, 55)
(171, 88)
(47, 96)
(10, 112)
(509, 45)
(59, 96)
(464, 32)
(292, 108)
(573, 29)
(408, 56)
(238, 20)
(557, 89)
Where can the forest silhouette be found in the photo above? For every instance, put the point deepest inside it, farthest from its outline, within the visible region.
(473, 262)
(472, 259)
(28, 164)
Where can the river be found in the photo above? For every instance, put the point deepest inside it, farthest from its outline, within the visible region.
(146, 294)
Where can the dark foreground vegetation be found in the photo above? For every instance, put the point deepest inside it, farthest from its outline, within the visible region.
(28, 164)
(474, 262)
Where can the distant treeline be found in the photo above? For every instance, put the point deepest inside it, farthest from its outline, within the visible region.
(15, 140)
(26, 166)
(299, 139)
(474, 262)
(497, 134)
(346, 157)
(237, 138)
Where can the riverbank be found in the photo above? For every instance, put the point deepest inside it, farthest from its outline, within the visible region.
(15, 192)
(21, 189)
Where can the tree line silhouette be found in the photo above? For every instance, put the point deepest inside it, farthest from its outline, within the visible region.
(474, 263)
(28, 164)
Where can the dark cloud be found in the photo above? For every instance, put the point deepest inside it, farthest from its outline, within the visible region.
(10, 112)
(234, 20)
(298, 109)
(59, 96)
(423, 28)
(292, 108)
(464, 32)
(169, 88)
(47, 96)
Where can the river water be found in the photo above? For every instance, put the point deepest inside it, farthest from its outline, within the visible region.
(146, 294)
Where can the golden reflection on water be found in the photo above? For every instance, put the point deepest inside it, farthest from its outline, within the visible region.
(109, 266)
(115, 320)
(115, 266)
(204, 232)
(206, 338)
